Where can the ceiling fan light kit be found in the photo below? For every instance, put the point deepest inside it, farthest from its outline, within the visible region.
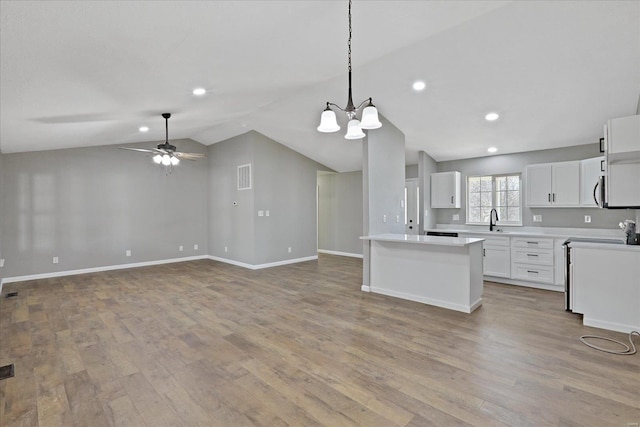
(328, 122)
(166, 154)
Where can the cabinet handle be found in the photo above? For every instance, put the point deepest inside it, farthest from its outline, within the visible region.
(601, 165)
(549, 197)
(602, 145)
(532, 254)
(554, 197)
(451, 199)
(532, 271)
(484, 252)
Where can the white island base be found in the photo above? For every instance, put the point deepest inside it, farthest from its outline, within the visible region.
(441, 271)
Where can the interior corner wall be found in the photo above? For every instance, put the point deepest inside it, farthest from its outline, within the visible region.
(340, 212)
(88, 206)
(231, 220)
(283, 183)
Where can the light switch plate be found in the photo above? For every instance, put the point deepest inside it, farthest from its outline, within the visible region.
(180, 248)
(455, 217)
(55, 259)
(537, 218)
(195, 247)
(260, 213)
(2, 262)
(587, 218)
(266, 213)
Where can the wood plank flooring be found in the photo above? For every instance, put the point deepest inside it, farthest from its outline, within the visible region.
(203, 343)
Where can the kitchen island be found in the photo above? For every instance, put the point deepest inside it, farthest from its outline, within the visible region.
(441, 271)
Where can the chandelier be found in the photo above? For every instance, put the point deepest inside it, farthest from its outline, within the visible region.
(328, 122)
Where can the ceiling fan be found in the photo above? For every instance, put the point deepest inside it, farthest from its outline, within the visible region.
(166, 154)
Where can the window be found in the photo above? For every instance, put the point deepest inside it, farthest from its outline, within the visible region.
(499, 192)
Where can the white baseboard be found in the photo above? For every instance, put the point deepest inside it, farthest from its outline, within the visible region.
(97, 269)
(429, 301)
(610, 326)
(260, 266)
(349, 254)
(365, 288)
(546, 287)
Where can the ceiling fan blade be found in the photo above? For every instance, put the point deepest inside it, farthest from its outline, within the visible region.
(189, 156)
(143, 150)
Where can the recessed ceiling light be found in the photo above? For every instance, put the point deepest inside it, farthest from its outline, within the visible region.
(199, 91)
(419, 86)
(143, 129)
(492, 116)
(492, 149)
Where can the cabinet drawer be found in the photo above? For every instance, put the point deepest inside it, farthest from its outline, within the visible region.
(532, 256)
(533, 273)
(532, 242)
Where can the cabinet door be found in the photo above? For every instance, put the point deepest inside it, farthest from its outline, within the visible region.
(566, 184)
(445, 190)
(590, 171)
(539, 185)
(624, 136)
(497, 261)
(622, 183)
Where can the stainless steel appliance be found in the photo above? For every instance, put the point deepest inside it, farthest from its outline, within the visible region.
(568, 295)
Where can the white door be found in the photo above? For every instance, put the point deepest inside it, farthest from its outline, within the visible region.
(411, 206)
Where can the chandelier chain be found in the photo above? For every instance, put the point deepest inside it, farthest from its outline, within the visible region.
(349, 35)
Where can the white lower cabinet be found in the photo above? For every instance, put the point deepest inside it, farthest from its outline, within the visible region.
(532, 259)
(605, 286)
(496, 261)
(496, 255)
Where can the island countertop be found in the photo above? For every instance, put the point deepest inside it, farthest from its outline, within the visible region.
(424, 240)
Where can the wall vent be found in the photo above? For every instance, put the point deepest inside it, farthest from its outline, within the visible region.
(244, 177)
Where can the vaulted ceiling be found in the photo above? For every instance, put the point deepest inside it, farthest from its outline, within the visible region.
(88, 73)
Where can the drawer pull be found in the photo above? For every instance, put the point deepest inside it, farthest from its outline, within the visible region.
(532, 271)
(532, 243)
(532, 254)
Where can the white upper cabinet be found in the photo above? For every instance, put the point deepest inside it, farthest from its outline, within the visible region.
(445, 190)
(554, 184)
(623, 139)
(590, 172)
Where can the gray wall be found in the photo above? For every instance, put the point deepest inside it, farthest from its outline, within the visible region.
(340, 212)
(551, 217)
(87, 206)
(383, 179)
(426, 166)
(1, 216)
(284, 182)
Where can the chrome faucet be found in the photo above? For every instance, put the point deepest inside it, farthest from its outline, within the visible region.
(492, 222)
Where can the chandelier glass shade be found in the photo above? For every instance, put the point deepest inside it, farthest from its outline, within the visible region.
(328, 121)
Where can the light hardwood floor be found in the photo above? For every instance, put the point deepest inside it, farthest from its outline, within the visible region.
(204, 343)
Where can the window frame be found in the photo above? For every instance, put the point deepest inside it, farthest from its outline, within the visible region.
(494, 198)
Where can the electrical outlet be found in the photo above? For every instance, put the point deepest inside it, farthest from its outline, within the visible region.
(455, 217)
(266, 213)
(128, 252)
(397, 218)
(260, 213)
(289, 249)
(180, 248)
(1, 262)
(384, 218)
(195, 247)
(225, 249)
(587, 218)
(55, 259)
(537, 218)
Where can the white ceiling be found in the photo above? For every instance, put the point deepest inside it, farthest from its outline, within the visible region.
(87, 73)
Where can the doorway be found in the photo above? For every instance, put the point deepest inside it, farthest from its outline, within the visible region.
(412, 206)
